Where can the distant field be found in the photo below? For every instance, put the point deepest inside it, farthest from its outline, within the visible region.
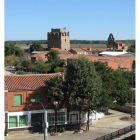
(101, 46)
(96, 46)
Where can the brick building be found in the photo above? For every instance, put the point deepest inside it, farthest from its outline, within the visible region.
(59, 38)
(23, 116)
(20, 113)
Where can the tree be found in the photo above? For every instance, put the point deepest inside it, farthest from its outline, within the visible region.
(54, 92)
(36, 47)
(27, 44)
(54, 60)
(9, 60)
(25, 63)
(12, 50)
(41, 66)
(115, 85)
(83, 85)
(131, 48)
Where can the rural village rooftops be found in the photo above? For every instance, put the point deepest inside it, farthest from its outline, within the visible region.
(27, 81)
(78, 50)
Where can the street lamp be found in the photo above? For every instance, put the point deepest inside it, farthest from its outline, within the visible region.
(45, 117)
(55, 103)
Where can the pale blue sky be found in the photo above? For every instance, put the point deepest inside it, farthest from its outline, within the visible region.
(84, 19)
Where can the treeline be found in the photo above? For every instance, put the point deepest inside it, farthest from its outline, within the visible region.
(26, 42)
(71, 42)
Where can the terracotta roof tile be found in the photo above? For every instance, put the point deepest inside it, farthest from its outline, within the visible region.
(27, 81)
(124, 61)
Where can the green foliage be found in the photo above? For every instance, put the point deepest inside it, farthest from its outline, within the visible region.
(131, 48)
(83, 85)
(59, 69)
(9, 60)
(41, 66)
(19, 72)
(115, 85)
(16, 63)
(62, 129)
(128, 75)
(54, 60)
(36, 47)
(25, 63)
(54, 90)
(12, 50)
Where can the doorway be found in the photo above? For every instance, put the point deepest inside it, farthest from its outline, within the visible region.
(36, 122)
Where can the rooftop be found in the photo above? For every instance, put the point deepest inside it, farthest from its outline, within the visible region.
(16, 82)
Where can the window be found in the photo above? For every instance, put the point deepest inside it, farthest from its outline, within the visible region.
(51, 118)
(13, 122)
(17, 100)
(22, 120)
(37, 98)
(60, 118)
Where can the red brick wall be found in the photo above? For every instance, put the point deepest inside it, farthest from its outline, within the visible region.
(26, 96)
(5, 101)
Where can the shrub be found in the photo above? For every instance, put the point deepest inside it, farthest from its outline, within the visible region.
(59, 69)
(62, 129)
(19, 72)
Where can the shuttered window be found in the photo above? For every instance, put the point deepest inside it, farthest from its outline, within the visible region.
(37, 98)
(13, 122)
(22, 120)
(61, 118)
(17, 100)
(51, 118)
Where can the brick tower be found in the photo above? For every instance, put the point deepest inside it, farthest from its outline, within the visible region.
(58, 38)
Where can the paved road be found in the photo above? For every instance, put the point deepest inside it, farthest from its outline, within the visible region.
(107, 124)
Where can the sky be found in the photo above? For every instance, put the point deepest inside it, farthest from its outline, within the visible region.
(84, 19)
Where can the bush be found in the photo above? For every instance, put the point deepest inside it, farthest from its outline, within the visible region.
(59, 69)
(19, 72)
(62, 129)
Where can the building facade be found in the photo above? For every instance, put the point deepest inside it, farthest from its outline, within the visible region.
(59, 38)
(115, 45)
(23, 116)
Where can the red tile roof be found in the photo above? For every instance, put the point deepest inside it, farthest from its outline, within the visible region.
(61, 51)
(78, 50)
(27, 81)
(124, 61)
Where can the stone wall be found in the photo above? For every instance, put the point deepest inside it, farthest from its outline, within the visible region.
(58, 38)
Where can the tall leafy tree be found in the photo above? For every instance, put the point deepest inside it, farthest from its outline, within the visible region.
(55, 92)
(12, 50)
(115, 85)
(36, 47)
(83, 85)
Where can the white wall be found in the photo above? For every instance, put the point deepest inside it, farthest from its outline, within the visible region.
(93, 116)
(28, 113)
